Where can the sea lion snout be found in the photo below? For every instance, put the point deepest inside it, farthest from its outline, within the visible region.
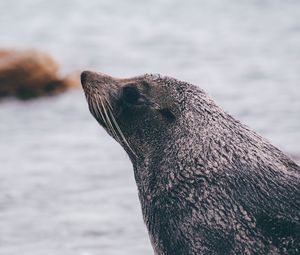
(89, 76)
(84, 77)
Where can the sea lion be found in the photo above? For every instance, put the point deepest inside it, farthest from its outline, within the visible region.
(207, 184)
(31, 73)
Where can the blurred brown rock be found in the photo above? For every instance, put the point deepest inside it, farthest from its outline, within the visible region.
(31, 73)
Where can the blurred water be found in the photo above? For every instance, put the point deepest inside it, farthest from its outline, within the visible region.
(68, 188)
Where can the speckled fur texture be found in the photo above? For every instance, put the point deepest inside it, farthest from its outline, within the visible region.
(207, 183)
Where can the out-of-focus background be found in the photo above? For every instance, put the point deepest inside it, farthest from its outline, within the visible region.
(66, 187)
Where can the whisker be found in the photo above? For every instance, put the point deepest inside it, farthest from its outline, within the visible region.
(97, 111)
(101, 114)
(118, 127)
(112, 129)
(97, 107)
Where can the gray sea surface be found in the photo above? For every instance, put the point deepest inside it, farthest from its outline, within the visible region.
(66, 187)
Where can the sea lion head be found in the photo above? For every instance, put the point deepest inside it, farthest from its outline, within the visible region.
(141, 113)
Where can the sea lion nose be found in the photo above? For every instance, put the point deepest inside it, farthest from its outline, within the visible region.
(85, 76)
(88, 76)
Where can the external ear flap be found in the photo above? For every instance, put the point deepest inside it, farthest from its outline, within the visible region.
(167, 114)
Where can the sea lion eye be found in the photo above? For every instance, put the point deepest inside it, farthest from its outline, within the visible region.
(132, 96)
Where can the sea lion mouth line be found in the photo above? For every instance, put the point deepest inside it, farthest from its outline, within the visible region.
(103, 112)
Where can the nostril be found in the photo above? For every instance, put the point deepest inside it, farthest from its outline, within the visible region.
(83, 77)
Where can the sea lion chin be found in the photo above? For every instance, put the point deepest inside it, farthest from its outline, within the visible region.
(207, 183)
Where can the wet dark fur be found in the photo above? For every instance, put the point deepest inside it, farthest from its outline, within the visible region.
(207, 183)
